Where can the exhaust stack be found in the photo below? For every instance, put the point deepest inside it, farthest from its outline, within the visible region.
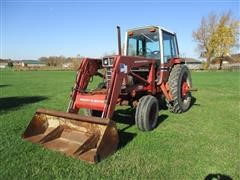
(119, 41)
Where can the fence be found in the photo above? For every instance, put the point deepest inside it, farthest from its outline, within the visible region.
(230, 67)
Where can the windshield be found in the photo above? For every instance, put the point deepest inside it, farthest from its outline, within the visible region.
(144, 42)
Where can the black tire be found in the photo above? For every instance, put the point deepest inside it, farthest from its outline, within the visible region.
(147, 113)
(90, 112)
(181, 100)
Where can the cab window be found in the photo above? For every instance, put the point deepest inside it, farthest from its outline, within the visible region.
(145, 43)
(169, 46)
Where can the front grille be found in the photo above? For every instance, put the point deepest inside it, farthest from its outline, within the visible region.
(108, 75)
(107, 61)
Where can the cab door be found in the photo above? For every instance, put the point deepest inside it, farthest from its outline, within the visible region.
(170, 49)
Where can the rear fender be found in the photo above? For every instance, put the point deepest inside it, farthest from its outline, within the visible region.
(166, 68)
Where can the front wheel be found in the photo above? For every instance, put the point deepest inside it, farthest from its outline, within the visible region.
(147, 113)
(179, 83)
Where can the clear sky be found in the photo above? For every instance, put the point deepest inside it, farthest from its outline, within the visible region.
(31, 29)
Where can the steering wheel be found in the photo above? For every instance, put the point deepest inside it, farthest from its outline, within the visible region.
(155, 52)
(148, 51)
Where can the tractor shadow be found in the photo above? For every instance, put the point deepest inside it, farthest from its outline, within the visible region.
(8, 103)
(127, 117)
(125, 138)
(161, 119)
(4, 85)
(193, 102)
(218, 176)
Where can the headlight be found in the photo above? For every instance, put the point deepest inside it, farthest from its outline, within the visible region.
(105, 62)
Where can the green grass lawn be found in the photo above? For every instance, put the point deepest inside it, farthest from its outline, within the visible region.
(203, 141)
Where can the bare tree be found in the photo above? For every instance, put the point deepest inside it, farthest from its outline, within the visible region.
(203, 35)
(44, 60)
(54, 60)
(76, 61)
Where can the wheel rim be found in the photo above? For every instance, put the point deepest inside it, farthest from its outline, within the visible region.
(185, 88)
(152, 114)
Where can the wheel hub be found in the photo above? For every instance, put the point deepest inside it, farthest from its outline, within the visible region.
(185, 88)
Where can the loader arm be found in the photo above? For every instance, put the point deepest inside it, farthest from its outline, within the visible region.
(106, 102)
(87, 69)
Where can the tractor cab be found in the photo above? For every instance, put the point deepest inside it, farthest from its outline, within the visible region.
(151, 42)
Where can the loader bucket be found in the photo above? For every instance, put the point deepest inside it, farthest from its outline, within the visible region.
(87, 138)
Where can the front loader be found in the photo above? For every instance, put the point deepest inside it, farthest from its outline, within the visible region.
(149, 71)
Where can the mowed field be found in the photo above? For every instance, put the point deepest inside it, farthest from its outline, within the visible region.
(203, 142)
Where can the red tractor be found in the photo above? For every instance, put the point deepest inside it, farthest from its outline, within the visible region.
(150, 70)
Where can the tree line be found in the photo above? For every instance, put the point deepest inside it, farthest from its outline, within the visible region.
(60, 60)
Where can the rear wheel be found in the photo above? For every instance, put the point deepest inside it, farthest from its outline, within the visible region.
(147, 113)
(180, 83)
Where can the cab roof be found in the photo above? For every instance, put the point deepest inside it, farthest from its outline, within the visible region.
(151, 26)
